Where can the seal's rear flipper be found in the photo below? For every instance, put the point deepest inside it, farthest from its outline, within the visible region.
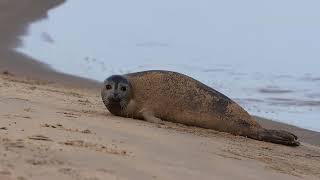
(278, 137)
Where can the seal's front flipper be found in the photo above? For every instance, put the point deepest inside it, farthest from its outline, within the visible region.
(278, 137)
(149, 116)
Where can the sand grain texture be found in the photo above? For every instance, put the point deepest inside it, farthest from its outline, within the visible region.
(51, 129)
(50, 132)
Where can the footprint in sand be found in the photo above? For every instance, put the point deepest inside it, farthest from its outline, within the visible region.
(40, 137)
(84, 102)
(42, 162)
(28, 110)
(85, 174)
(8, 143)
(61, 127)
(4, 173)
(69, 114)
(96, 147)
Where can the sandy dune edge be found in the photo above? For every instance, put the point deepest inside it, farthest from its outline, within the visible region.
(48, 132)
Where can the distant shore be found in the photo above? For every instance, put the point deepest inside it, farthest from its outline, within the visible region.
(15, 16)
(54, 126)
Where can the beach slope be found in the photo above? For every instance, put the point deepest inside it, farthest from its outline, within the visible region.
(55, 126)
(48, 131)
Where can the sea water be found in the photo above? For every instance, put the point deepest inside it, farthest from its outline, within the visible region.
(263, 54)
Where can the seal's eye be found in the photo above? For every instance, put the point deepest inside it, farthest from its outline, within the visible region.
(108, 86)
(123, 88)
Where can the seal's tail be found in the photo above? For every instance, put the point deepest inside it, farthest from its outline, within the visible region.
(277, 136)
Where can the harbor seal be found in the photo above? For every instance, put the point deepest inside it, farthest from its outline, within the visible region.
(158, 95)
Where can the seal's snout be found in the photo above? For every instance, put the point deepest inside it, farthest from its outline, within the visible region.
(115, 97)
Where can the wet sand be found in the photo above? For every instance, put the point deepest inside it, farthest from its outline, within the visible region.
(15, 15)
(54, 126)
(307, 136)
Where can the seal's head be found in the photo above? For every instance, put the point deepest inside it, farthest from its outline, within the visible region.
(116, 93)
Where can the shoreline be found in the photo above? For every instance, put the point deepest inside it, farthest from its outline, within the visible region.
(55, 126)
(23, 66)
(16, 16)
(305, 135)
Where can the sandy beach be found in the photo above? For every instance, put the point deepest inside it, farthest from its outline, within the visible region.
(50, 131)
(54, 125)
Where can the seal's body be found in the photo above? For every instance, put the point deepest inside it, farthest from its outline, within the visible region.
(170, 96)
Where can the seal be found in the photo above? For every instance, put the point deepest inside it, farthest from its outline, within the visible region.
(158, 95)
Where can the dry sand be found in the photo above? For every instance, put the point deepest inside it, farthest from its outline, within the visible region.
(49, 131)
(54, 126)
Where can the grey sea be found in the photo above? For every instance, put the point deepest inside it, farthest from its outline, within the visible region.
(263, 54)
